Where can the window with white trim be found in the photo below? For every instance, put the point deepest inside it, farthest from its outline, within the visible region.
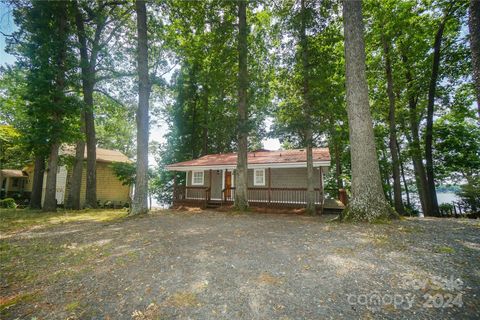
(197, 178)
(259, 177)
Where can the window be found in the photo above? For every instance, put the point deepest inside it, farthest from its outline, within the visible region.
(259, 177)
(197, 178)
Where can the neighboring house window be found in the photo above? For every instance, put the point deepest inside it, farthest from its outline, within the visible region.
(197, 178)
(259, 177)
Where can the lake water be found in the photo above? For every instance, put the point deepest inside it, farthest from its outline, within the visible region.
(447, 197)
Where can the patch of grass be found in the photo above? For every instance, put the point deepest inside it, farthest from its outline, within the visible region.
(13, 220)
(344, 251)
(72, 306)
(7, 302)
(183, 299)
(444, 249)
(409, 229)
(267, 278)
(22, 263)
(152, 312)
(380, 240)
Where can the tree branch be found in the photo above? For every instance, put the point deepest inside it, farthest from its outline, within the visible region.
(110, 97)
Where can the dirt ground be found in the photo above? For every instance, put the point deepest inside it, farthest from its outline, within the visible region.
(222, 265)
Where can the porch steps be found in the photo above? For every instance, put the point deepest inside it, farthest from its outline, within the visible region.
(212, 204)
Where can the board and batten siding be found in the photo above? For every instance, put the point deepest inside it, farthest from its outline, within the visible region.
(281, 178)
(216, 187)
(286, 178)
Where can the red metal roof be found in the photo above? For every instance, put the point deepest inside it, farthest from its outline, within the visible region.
(257, 157)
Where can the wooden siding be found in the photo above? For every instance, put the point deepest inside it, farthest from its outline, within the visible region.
(285, 178)
(109, 188)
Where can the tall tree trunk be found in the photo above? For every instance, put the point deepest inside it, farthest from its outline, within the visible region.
(37, 184)
(397, 188)
(205, 125)
(336, 154)
(88, 65)
(73, 199)
(310, 207)
(432, 193)
(338, 166)
(416, 152)
(241, 201)
(474, 26)
(140, 199)
(50, 202)
(91, 189)
(385, 174)
(193, 101)
(407, 192)
(74, 194)
(368, 200)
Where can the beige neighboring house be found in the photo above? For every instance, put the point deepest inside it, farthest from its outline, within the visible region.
(109, 187)
(12, 182)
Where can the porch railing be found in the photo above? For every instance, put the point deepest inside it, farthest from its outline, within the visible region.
(258, 196)
(275, 196)
(191, 194)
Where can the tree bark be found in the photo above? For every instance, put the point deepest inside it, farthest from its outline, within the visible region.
(241, 201)
(385, 175)
(368, 201)
(37, 184)
(205, 124)
(416, 152)
(73, 199)
(407, 192)
(140, 199)
(432, 193)
(91, 142)
(474, 26)
(310, 206)
(397, 188)
(50, 202)
(88, 69)
(336, 155)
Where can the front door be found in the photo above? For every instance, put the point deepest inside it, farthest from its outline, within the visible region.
(228, 184)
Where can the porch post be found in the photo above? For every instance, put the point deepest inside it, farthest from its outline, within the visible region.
(269, 186)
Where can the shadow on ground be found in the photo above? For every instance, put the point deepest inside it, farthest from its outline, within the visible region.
(176, 264)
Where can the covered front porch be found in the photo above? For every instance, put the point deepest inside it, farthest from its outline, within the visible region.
(267, 187)
(274, 179)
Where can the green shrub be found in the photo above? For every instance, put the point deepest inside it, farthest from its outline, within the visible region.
(446, 208)
(8, 203)
(470, 193)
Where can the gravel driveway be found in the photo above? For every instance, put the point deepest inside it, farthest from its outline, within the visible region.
(214, 265)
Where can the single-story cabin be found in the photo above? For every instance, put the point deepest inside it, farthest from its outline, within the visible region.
(275, 178)
(109, 188)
